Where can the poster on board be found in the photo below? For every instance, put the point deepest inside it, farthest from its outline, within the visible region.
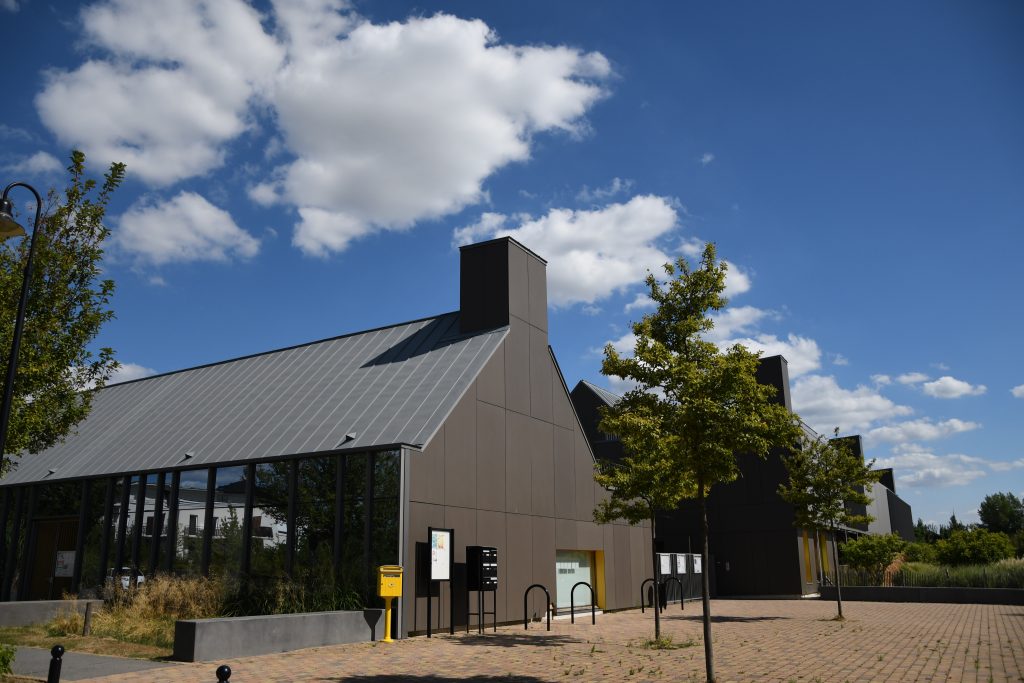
(696, 564)
(65, 566)
(680, 564)
(440, 554)
(666, 563)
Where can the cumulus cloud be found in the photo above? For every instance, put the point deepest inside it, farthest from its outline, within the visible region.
(736, 281)
(642, 302)
(706, 158)
(40, 163)
(173, 86)
(917, 467)
(185, 228)
(9, 5)
(919, 430)
(802, 354)
(1018, 391)
(129, 371)
(824, 405)
(590, 254)
(839, 359)
(950, 387)
(911, 378)
(736, 320)
(881, 380)
(602, 194)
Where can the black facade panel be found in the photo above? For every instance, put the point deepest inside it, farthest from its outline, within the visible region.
(887, 480)
(483, 290)
(900, 517)
(774, 371)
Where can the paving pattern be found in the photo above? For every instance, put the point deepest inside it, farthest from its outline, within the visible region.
(754, 640)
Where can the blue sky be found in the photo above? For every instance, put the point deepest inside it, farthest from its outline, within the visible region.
(302, 169)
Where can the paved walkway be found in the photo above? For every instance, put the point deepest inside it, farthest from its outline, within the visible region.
(754, 640)
(76, 666)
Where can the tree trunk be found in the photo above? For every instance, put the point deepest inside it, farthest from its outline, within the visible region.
(839, 593)
(709, 657)
(654, 573)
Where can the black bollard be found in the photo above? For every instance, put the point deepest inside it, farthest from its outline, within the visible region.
(56, 652)
(223, 673)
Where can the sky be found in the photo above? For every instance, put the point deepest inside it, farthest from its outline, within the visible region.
(301, 169)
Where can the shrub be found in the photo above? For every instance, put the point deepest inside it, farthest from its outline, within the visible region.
(67, 622)
(920, 552)
(872, 553)
(6, 659)
(975, 546)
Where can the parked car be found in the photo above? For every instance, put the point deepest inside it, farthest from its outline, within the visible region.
(129, 577)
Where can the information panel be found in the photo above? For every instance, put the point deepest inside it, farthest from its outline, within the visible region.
(696, 564)
(665, 561)
(440, 554)
(65, 566)
(680, 564)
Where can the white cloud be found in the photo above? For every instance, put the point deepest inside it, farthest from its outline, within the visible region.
(919, 430)
(174, 87)
(1007, 465)
(735, 320)
(642, 302)
(802, 354)
(839, 359)
(1018, 391)
(912, 378)
(706, 158)
(591, 310)
(129, 371)
(40, 163)
(9, 5)
(881, 380)
(950, 387)
(736, 281)
(625, 344)
(590, 254)
(601, 194)
(185, 228)
(918, 467)
(824, 405)
(402, 122)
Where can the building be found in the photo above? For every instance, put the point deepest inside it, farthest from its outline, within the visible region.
(755, 549)
(317, 463)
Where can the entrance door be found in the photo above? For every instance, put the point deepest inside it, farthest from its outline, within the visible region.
(573, 566)
(54, 559)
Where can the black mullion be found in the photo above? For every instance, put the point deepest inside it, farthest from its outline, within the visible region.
(172, 522)
(122, 523)
(158, 523)
(140, 508)
(108, 511)
(83, 520)
(293, 486)
(11, 556)
(368, 522)
(211, 484)
(339, 511)
(250, 495)
(30, 543)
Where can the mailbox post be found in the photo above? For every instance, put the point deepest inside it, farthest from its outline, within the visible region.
(389, 587)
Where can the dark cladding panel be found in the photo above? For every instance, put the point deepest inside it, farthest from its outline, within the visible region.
(541, 369)
(519, 564)
(887, 480)
(518, 281)
(900, 517)
(491, 532)
(565, 477)
(774, 371)
(518, 477)
(460, 456)
(490, 457)
(517, 367)
(538, 293)
(543, 468)
(490, 384)
(483, 286)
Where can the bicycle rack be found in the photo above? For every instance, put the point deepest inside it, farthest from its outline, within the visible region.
(572, 603)
(682, 596)
(526, 614)
(654, 601)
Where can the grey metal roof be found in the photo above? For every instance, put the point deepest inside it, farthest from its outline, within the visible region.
(603, 394)
(389, 386)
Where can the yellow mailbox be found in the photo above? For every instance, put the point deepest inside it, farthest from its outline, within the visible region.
(389, 587)
(389, 581)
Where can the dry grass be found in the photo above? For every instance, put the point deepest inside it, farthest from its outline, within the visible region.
(37, 636)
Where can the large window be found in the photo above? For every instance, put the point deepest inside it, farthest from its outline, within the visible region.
(228, 515)
(191, 521)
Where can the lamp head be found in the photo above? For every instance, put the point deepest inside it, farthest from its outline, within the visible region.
(8, 226)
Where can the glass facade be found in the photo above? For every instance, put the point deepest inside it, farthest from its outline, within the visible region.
(288, 535)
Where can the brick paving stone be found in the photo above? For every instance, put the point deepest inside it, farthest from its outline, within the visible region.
(780, 641)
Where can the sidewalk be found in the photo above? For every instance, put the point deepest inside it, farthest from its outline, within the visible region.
(754, 640)
(35, 662)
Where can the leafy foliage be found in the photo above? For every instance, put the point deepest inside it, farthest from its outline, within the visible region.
(825, 478)
(974, 546)
(6, 659)
(69, 302)
(872, 552)
(920, 552)
(925, 532)
(1002, 512)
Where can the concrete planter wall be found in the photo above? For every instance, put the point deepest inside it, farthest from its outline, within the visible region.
(970, 596)
(31, 612)
(198, 640)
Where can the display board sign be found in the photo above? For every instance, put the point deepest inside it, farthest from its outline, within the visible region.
(696, 564)
(665, 562)
(65, 565)
(680, 564)
(440, 554)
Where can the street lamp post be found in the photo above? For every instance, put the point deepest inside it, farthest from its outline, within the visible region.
(10, 228)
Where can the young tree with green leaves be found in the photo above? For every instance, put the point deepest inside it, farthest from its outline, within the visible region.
(69, 301)
(825, 478)
(1002, 512)
(694, 408)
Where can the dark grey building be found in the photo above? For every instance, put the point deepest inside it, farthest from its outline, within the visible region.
(754, 547)
(317, 463)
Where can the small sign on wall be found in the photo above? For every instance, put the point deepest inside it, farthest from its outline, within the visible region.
(680, 564)
(65, 565)
(666, 563)
(696, 564)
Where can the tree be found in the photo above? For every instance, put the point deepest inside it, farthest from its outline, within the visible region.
(925, 533)
(69, 302)
(825, 478)
(946, 530)
(873, 553)
(974, 546)
(1002, 512)
(693, 408)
